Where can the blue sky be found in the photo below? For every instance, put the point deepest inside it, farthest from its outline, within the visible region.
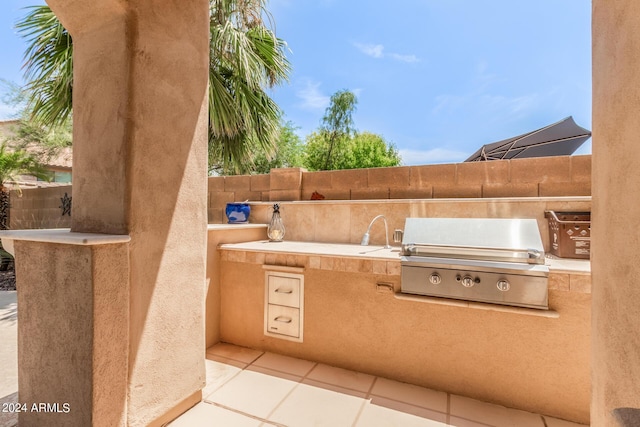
(438, 78)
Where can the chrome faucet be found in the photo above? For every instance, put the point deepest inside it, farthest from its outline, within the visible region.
(365, 238)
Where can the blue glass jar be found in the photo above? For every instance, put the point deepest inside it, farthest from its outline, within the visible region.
(237, 213)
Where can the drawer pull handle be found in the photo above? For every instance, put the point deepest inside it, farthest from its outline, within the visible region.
(278, 291)
(283, 319)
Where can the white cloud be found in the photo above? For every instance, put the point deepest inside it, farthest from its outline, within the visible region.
(435, 155)
(448, 103)
(377, 51)
(373, 50)
(513, 106)
(311, 96)
(481, 99)
(404, 58)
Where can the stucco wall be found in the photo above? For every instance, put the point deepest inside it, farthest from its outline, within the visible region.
(140, 73)
(616, 208)
(347, 221)
(73, 332)
(537, 177)
(217, 236)
(540, 177)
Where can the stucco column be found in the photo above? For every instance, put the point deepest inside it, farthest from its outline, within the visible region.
(140, 164)
(616, 209)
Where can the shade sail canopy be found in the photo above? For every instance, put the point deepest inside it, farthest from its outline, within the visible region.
(559, 139)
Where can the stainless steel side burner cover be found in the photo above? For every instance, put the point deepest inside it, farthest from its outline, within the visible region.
(477, 259)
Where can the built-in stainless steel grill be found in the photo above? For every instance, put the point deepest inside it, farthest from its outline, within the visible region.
(492, 260)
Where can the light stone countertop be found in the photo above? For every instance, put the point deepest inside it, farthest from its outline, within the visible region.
(556, 265)
(316, 248)
(567, 265)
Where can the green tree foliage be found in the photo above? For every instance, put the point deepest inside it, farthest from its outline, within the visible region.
(245, 58)
(315, 152)
(336, 144)
(43, 142)
(363, 150)
(288, 154)
(14, 163)
(337, 126)
(368, 150)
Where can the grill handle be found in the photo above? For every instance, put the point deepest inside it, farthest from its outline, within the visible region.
(532, 256)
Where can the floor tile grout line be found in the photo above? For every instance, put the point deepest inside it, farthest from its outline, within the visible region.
(283, 371)
(368, 394)
(364, 400)
(226, 358)
(367, 398)
(306, 377)
(404, 402)
(255, 417)
(290, 391)
(231, 358)
(315, 365)
(334, 385)
(362, 405)
(474, 421)
(373, 383)
(286, 396)
(223, 384)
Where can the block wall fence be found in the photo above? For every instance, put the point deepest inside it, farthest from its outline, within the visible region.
(39, 208)
(537, 177)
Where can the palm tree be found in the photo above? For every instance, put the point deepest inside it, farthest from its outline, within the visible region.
(14, 163)
(245, 58)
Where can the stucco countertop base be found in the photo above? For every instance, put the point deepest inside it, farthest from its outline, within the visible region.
(566, 275)
(355, 316)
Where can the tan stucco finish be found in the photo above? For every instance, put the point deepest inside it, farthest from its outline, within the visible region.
(73, 332)
(140, 166)
(529, 362)
(616, 208)
(215, 237)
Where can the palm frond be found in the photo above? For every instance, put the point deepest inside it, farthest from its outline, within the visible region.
(245, 59)
(48, 66)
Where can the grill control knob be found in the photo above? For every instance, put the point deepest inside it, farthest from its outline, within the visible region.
(503, 285)
(467, 281)
(435, 279)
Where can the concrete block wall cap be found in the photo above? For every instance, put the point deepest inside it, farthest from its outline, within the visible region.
(63, 236)
(216, 227)
(434, 201)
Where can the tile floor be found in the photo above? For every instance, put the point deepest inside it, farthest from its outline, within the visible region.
(250, 388)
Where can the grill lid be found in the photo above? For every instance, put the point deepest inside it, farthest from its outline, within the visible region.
(496, 239)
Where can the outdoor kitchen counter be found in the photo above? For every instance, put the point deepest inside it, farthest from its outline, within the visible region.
(317, 248)
(354, 316)
(283, 253)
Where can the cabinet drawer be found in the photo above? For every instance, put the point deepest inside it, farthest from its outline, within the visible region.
(283, 320)
(284, 290)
